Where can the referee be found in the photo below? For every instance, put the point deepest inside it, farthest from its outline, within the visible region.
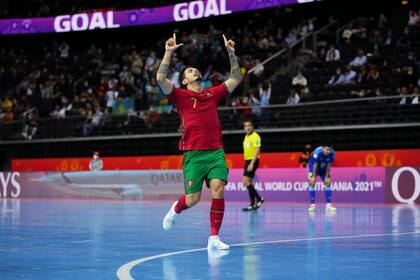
(252, 149)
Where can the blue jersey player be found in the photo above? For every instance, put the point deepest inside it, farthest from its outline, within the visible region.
(320, 165)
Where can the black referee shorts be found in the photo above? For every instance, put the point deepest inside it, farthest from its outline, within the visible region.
(250, 174)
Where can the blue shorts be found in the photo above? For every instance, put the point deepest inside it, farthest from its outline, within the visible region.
(322, 173)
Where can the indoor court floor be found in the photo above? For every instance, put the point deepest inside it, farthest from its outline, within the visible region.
(71, 239)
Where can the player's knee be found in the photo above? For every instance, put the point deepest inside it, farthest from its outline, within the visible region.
(246, 181)
(327, 182)
(218, 192)
(193, 199)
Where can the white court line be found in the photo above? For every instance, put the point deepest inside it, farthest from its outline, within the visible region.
(123, 273)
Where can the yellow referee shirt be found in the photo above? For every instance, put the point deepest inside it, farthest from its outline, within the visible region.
(251, 142)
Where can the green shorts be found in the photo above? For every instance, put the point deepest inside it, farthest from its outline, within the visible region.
(203, 165)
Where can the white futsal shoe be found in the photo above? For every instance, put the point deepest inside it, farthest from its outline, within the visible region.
(312, 208)
(169, 219)
(215, 243)
(329, 207)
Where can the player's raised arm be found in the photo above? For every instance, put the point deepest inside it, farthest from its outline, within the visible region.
(162, 74)
(235, 73)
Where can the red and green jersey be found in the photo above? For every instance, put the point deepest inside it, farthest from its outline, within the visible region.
(199, 118)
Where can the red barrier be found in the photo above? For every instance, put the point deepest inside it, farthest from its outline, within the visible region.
(268, 160)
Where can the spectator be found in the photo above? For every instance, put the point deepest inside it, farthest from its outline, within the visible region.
(255, 106)
(353, 30)
(2, 114)
(300, 83)
(136, 65)
(347, 33)
(291, 38)
(346, 77)
(64, 50)
(412, 59)
(413, 18)
(305, 156)
(416, 92)
(242, 107)
(44, 10)
(92, 120)
(151, 62)
(404, 41)
(111, 96)
(408, 78)
(373, 76)
(359, 60)
(55, 113)
(124, 74)
(376, 42)
(299, 80)
(245, 105)
(151, 117)
(362, 76)
(294, 98)
(174, 77)
(403, 92)
(334, 78)
(30, 125)
(8, 105)
(389, 40)
(382, 22)
(153, 92)
(264, 92)
(132, 119)
(332, 55)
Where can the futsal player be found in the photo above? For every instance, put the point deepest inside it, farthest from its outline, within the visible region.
(320, 165)
(252, 150)
(201, 142)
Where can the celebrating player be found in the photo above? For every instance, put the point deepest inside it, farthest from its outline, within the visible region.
(320, 165)
(204, 158)
(252, 149)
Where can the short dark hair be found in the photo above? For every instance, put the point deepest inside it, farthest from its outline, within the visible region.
(248, 121)
(181, 76)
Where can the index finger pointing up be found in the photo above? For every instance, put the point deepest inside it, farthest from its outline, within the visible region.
(174, 37)
(224, 38)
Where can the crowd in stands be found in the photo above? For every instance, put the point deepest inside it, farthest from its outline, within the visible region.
(95, 83)
(58, 82)
(380, 58)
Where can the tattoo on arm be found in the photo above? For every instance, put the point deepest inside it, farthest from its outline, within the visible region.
(163, 69)
(235, 72)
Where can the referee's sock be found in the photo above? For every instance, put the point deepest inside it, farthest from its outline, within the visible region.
(251, 194)
(256, 195)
